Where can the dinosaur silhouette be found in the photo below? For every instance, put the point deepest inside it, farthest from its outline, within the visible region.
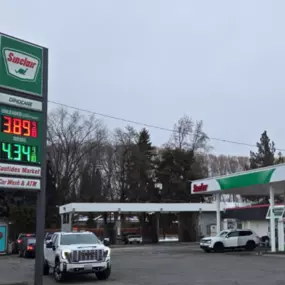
(21, 71)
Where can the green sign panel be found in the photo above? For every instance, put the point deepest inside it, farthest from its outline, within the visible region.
(20, 135)
(20, 66)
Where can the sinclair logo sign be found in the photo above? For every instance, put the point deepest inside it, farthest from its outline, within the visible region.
(200, 188)
(20, 66)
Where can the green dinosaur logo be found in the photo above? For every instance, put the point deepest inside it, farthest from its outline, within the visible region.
(21, 71)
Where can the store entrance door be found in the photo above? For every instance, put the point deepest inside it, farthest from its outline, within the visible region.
(3, 234)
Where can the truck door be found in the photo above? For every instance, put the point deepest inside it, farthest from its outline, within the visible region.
(49, 252)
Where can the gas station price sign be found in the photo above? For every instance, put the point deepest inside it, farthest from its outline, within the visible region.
(20, 135)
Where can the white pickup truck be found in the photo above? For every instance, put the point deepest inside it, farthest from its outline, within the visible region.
(76, 253)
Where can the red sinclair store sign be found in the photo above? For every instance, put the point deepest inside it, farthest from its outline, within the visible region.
(200, 188)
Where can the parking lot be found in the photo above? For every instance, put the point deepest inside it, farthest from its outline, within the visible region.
(168, 264)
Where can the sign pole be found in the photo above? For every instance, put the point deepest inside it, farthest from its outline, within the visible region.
(41, 195)
(23, 127)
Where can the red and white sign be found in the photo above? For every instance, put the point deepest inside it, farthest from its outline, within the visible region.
(21, 65)
(21, 170)
(200, 188)
(19, 183)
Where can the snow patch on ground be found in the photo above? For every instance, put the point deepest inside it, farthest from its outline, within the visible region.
(168, 239)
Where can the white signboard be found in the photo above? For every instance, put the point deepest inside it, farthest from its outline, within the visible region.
(278, 212)
(19, 183)
(20, 102)
(21, 170)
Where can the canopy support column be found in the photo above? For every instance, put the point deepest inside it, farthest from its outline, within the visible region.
(218, 212)
(272, 220)
(281, 232)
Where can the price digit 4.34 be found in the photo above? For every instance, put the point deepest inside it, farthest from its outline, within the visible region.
(19, 152)
(6, 148)
(26, 150)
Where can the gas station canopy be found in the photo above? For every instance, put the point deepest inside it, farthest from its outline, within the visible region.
(267, 181)
(247, 183)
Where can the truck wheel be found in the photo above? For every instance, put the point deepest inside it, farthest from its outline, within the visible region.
(46, 268)
(250, 245)
(104, 275)
(218, 247)
(57, 274)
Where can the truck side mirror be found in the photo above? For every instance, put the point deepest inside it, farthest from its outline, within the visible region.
(49, 244)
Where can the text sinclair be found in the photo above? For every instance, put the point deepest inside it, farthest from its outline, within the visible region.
(200, 188)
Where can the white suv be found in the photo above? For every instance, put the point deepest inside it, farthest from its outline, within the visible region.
(76, 253)
(230, 239)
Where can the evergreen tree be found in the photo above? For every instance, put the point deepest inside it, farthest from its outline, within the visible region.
(265, 156)
(265, 153)
(175, 168)
(140, 176)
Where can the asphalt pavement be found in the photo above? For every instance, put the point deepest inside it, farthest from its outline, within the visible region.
(179, 264)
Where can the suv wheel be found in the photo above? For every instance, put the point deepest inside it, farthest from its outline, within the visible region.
(218, 247)
(104, 275)
(57, 274)
(250, 245)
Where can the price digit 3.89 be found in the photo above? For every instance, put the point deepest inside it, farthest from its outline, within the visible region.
(20, 127)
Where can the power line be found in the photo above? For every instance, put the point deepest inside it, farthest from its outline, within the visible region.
(148, 125)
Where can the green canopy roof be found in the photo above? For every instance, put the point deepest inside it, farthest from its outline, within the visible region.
(251, 182)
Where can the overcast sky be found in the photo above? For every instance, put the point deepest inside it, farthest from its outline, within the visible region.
(220, 61)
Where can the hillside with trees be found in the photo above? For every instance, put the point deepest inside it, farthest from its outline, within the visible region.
(89, 163)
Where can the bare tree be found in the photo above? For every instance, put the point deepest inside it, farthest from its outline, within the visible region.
(223, 164)
(189, 135)
(71, 139)
(109, 163)
(124, 143)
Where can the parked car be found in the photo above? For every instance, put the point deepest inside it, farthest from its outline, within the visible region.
(134, 239)
(20, 240)
(230, 239)
(125, 236)
(106, 241)
(27, 248)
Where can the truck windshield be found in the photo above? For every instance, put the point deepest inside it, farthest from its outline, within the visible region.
(79, 239)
